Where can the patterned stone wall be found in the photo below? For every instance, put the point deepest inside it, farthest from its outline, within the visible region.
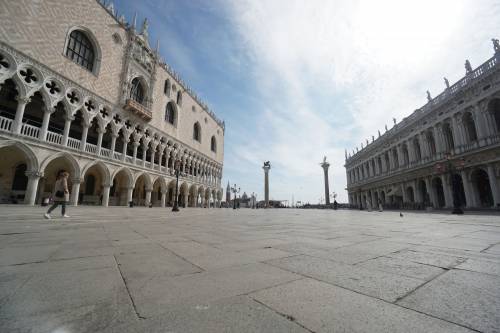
(39, 29)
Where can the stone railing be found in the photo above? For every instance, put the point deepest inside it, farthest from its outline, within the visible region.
(138, 109)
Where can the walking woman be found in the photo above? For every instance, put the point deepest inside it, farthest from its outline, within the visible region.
(61, 194)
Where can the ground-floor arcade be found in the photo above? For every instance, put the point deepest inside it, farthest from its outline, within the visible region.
(475, 188)
(28, 174)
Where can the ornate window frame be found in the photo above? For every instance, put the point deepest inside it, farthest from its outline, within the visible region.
(97, 50)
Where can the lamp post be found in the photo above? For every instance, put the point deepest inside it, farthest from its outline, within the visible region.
(449, 167)
(235, 190)
(177, 166)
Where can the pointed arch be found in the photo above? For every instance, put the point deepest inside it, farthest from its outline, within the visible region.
(102, 167)
(32, 160)
(127, 172)
(68, 157)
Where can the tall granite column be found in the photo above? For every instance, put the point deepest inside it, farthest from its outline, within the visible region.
(325, 165)
(266, 167)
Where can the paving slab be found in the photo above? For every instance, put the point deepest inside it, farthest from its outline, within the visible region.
(467, 298)
(325, 308)
(371, 282)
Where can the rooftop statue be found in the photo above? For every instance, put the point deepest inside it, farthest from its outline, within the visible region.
(468, 67)
(496, 45)
(267, 164)
(429, 98)
(446, 82)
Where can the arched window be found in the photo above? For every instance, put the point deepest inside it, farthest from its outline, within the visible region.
(137, 91)
(213, 144)
(416, 148)
(179, 98)
(197, 132)
(170, 113)
(20, 181)
(431, 142)
(448, 137)
(80, 50)
(167, 87)
(470, 127)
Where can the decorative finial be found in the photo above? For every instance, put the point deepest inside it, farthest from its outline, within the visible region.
(394, 120)
(111, 8)
(345, 152)
(379, 133)
(145, 26)
(373, 138)
(468, 67)
(446, 83)
(134, 21)
(386, 127)
(158, 46)
(496, 45)
(429, 98)
(122, 19)
(362, 146)
(367, 143)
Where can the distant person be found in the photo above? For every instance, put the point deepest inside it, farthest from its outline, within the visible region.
(368, 206)
(61, 194)
(380, 208)
(335, 205)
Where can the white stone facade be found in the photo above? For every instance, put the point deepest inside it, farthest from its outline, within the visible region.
(117, 125)
(447, 150)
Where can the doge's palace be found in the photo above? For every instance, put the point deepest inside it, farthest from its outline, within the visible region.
(82, 89)
(445, 154)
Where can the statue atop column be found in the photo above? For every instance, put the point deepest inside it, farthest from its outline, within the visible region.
(325, 165)
(429, 98)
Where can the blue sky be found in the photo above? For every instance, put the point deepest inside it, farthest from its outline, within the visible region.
(297, 80)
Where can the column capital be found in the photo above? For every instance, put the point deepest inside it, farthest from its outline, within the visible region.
(33, 174)
(23, 99)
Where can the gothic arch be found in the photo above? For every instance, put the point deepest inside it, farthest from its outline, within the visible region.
(93, 40)
(31, 159)
(102, 167)
(72, 161)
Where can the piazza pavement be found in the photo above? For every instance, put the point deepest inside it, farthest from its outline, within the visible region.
(119, 269)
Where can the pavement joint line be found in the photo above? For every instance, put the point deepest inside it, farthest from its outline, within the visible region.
(489, 247)
(421, 285)
(128, 291)
(286, 316)
(179, 256)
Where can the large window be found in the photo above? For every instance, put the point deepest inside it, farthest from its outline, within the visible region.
(213, 144)
(137, 91)
(80, 50)
(170, 113)
(166, 87)
(197, 132)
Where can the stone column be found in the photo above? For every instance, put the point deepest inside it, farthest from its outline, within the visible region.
(448, 197)
(67, 126)
(160, 158)
(130, 191)
(83, 141)
(401, 159)
(75, 191)
(185, 196)
(432, 194)
(494, 185)
(469, 194)
(144, 151)
(18, 120)
(325, 165)
(134, 157)
(424, 150)
(153, 153)
(45, 125)
(105, 195)
(266, 184)
(113, 144)
(124, 150)
(458, 133)
(100, 133)
(32, 187)
(163, 197)
(148, 196)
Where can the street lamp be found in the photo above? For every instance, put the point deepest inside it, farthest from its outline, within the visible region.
(235, 191)
(177, 167)
(448, 167)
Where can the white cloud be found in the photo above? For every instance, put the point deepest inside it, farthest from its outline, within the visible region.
(381, 56)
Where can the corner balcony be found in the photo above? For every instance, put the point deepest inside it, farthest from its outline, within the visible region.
(138, 109)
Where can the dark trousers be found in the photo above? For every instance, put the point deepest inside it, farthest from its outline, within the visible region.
(57, 203)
